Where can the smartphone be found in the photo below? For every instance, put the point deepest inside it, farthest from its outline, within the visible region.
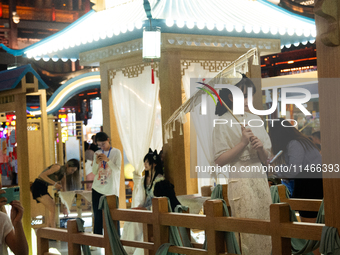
(12, 193)
(275, 157)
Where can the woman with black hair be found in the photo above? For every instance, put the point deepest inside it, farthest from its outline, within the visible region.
(106, 168)
(244, 148)
(153, 174)
(299, 152)
(62, 178)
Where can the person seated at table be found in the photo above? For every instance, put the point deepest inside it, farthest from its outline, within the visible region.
(62, 178)
(153, 174)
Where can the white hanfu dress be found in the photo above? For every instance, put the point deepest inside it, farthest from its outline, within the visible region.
(248, 192)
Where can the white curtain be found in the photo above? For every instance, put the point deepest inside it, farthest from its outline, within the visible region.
(157, 139)
(202, 123)
(135, 104)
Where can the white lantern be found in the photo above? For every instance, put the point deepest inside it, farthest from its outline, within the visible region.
(16, 18)
(151, 44)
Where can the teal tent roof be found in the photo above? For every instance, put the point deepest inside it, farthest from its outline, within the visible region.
(124, 22)
(10, 79)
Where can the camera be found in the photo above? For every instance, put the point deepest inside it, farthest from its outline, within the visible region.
(12, 193)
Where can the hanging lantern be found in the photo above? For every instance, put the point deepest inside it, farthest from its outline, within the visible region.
(151, 44)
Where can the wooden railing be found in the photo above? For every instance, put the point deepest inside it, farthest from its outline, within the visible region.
(311, 205)
(158, 221)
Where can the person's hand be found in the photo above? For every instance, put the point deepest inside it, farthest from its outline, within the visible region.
(3, 200)
(246, 135)
(17, 211)
(256, 143)
(103, 157)
(58, 186)
(65, 212)
(97, 158)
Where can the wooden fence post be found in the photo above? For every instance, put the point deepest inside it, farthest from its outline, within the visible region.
(279, 213)
(43, 245)
(160, 233)
(72, 229)
(215, 239)
(147, 235)
(112, 202)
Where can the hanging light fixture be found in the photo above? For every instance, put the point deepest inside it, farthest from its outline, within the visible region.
(151, 41)
(151, 44)
(16, 18)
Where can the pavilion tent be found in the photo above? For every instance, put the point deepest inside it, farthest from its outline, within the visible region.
(203, 126)
(124, 22)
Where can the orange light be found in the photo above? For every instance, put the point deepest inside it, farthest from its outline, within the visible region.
(294, 61)
(290, 62)
(34, 107)
(81, 95)
(92, 93)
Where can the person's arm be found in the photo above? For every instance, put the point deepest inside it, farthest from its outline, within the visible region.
(63, 183)
(16, 239)
(95, 164)
(52, 170)
(295, 155)
(230, 155)
(115, 163)
(262, 153)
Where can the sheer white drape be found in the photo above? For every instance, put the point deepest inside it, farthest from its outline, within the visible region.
(135, 104)
(203, 124)
(157, 140)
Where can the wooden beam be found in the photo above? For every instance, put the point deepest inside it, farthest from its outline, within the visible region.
(9, 107)
(23, 171)
(11, 92)
(171, 98)
(329, 94)
(44, 127)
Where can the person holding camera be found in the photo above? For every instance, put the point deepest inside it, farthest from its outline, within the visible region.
(106, 168)
(55, 175)
(11, 230)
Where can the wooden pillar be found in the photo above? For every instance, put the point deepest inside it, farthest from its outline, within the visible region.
(23, 171)
(14, 27)
(60, 146)
(329, 104)
(279, 213)
(215, 239)
(44, 128)
(171, 98)
(192, 158)
(255, 75)
(72, 229)
(160, 232)
(51, 137)
(110, 127)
